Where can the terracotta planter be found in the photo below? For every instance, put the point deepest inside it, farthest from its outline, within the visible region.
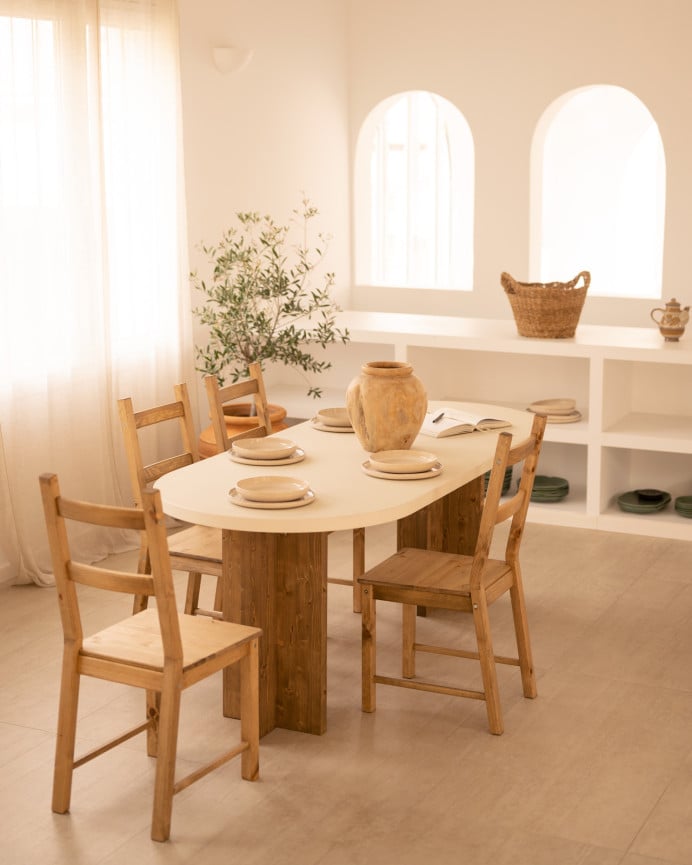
(239, 419)
(386, 404)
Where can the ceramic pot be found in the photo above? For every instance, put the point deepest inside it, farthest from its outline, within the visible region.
(671, 321)
(386, 404)
(238, 419)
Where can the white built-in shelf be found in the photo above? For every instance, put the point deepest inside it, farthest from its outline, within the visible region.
(647, 431)
(634, 391)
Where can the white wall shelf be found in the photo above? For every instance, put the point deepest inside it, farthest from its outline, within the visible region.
(634, 391)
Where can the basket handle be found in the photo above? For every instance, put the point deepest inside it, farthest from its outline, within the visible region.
(508, 282)
(587, 279)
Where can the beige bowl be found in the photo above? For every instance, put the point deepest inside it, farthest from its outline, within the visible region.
(403, 461)
(269, 448)
(559, 405)
(272, 489)
(333, 417)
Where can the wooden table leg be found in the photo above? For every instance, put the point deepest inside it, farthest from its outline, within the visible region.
(450, 524)
(278, 582)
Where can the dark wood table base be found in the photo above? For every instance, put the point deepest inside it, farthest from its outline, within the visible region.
(279, 582)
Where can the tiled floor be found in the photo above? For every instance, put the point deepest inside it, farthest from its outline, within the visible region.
(596, 771)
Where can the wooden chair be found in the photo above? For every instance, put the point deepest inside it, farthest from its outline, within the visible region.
(470, 584)
(159, 650)
(196, 549)
(219, 397)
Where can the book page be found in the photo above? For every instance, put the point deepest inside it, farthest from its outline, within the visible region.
(448, 421)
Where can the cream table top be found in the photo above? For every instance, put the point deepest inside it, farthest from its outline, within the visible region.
(346, 498)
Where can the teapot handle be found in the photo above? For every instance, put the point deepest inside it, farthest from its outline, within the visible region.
(654, 317)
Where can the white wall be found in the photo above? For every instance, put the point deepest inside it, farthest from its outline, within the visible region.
(288, 122)
(256, 139)
(502, 63)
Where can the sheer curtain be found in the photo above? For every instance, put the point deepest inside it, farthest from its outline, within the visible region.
(94, 300)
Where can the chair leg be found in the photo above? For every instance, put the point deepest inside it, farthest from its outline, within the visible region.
(153, 704)
(141, 602)
(249, 711)
(487, 660)
(67, 730)
(369, 651)
(194, 584)
(165, 761)
(521, 629)
(408, 629)
(358, 566)
(218, 594)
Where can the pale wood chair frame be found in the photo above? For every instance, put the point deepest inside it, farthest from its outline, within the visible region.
(218, 397)
(470, 584)
(159, 650)
(195, 549)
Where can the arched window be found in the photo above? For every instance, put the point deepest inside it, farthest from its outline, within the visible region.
(598, 193)
(414, 170)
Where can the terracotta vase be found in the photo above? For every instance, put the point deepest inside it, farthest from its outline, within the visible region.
(386, 404)
(239, 419)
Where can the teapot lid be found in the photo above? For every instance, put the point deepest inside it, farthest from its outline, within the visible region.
(673, 303)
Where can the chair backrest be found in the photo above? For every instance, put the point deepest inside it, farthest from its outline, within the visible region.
(219, 397)
(150, 518)
(516, 505)
(141, 474)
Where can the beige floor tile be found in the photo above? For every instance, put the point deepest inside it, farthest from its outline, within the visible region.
(667, 833)
(596, 771)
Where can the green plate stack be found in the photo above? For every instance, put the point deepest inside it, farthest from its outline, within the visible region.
(683, 506)
(643, 501)
(549, 489)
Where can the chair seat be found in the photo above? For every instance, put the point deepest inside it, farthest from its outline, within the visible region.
(198, 542)
(137, 640)
(433, 571)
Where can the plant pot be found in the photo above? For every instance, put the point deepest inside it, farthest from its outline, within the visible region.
(386, 404)
(239, 419)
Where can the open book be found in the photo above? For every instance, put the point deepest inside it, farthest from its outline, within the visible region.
(443, 422)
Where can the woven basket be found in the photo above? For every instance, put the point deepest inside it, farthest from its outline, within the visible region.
(549, 310)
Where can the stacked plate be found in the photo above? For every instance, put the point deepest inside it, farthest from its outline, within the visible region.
(269, 450)
(557, 410)
(333, 420)
(645, 501)
(549, 489)
(683, 506)
(402, 465)
(271, 492)
(506, 481)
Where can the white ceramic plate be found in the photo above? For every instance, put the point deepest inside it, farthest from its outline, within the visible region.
(264, 448)
(400, 476)
(567, 417)
(330, 428)
(402, 461)
(272, 489)
(296, 457)
(333, 417)
(235, 497)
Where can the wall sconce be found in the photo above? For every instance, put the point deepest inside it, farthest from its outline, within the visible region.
(230, 58)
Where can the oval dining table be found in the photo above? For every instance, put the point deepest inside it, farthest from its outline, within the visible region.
(274, 571)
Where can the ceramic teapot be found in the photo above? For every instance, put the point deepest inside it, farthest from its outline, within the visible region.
(672, 320)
